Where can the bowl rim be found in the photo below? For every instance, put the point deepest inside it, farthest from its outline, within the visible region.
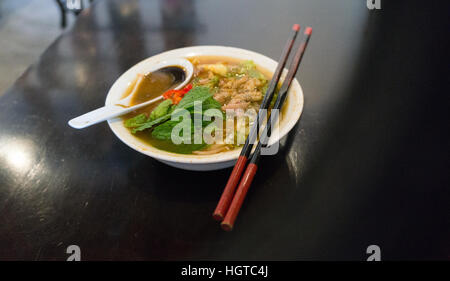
(122, 82)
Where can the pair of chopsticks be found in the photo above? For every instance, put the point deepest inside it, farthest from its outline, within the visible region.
(230, 202)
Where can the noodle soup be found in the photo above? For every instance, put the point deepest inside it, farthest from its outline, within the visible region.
(232, 88)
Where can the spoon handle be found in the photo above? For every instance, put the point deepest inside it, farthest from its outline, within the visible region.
(99, 115)
(104, 113)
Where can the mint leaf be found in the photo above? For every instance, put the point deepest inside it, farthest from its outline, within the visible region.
(196, 94)
(201, 94)
(151, 123)
(136, 121)
(164, 131)
(162, 109)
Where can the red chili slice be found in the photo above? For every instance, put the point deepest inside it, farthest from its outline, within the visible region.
(177, 95)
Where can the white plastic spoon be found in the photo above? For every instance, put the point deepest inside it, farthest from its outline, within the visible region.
(122, 106)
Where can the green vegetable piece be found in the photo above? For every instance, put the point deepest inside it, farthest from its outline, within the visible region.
(151, 123)
(162, 109)
(198, 93)
(164, 131)
(214, 82)
(136, 121)
(249, 67)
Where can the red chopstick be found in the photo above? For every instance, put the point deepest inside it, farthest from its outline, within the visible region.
(228, 222)
(230, 187)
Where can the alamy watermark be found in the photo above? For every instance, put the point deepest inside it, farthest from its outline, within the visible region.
(74, 252)
(189, 128)
(374, 253)
(373, 4)
(73, 4)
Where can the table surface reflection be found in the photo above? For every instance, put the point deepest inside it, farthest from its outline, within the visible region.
(352, 173)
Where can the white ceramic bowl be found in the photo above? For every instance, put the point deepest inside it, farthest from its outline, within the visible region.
(217, 161)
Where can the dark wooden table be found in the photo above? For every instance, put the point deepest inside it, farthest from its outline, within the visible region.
(366, 165)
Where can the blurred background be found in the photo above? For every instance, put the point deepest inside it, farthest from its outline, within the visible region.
(27, 28)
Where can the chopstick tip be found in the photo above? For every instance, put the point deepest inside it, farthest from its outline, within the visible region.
(217, 217)
(296, 27)
(308, 31)
(226, 226)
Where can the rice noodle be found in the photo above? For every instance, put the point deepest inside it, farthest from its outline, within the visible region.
(215, 148)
